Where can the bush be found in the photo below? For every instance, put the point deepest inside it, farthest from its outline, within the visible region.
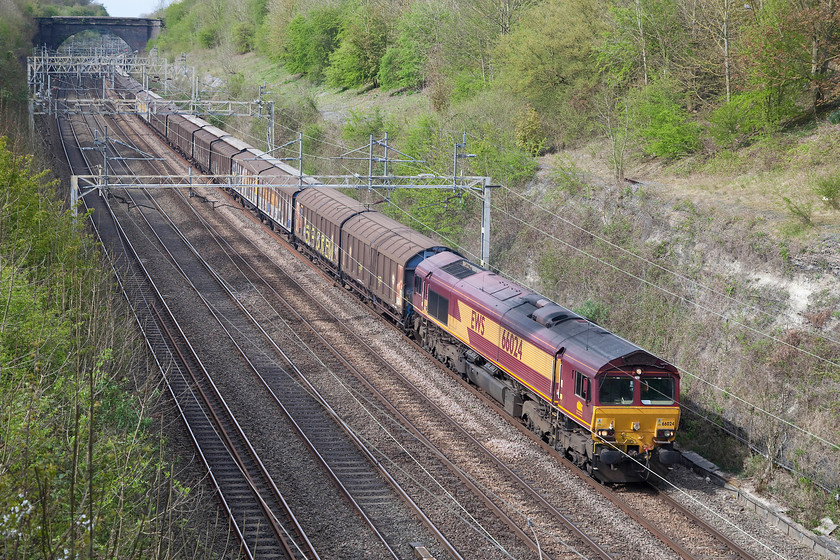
(529, 131)
(595, 311)
(802, 211)
(834, 118)
(310, 39)
(403, 64)
(361, 126)
(466, 86)
(356, 61)
(505, 163)
(733, 123)
(828, 189)
(665, 125)
(243, 37)
(209, 37)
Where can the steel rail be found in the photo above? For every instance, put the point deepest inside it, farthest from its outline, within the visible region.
(319, 398)
(226, 505)
(302, 540)
(521, 533)
(649, 525)
(145, 329)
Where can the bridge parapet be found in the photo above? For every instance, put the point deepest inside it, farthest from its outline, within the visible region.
(52, 31)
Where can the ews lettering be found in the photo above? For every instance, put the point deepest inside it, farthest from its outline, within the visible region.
(511, 344)
(477, 322)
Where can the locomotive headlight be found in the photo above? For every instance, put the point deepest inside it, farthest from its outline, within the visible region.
(608, 433)
(664, 434)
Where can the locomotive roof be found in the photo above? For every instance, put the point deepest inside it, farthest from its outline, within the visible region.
(593, 348)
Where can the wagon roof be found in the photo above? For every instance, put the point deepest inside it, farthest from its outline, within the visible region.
(209, 133)
(197, 121)
(590, 347)
(391, 238)
(330, 204)
(185, 123)
(251, 160)
(237, 143)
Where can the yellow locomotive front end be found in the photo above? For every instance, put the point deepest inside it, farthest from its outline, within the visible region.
(634, 424)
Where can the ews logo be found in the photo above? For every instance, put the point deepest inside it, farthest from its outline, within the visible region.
(477, 322)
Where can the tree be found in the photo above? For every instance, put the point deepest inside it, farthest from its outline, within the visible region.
(790, 46)
(310, 39)
(551, 51)
(362, 41)
(418, 33)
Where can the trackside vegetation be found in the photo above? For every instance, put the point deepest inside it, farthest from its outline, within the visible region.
(82, 466)
(78, 462)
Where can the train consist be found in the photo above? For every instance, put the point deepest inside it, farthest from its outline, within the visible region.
(610, 406)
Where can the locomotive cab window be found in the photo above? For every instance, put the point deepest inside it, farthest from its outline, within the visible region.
(657, 390)
(418, 285)
(581, 386)
(615, 390)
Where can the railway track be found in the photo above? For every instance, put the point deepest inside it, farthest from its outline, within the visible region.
(699, 540)
(513, 500)
(311, 423)
(259, 516)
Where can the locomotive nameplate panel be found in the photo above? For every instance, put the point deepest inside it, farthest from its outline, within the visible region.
(525, 361)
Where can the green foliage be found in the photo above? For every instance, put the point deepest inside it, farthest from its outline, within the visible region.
(210, 36)
(361, 126)
(362, 39)
(14, 45)
(638, 43)
(802, 211)
(828, 189)
(569, 180)
(834, 117)
(182, 21)
(257, 10)
(733, 123)
(417, 33)
(236, 85)
(69, 432)
(466, 85)
(664, 125)
(313, 138)
(310, 40)
(437, 212)
(529, 131)
(243, 37)
(566, 30)
(424, 140)
(505, 163)
(595, 311)
(790, 54)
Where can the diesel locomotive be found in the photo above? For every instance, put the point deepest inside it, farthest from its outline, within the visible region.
(608, 405)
